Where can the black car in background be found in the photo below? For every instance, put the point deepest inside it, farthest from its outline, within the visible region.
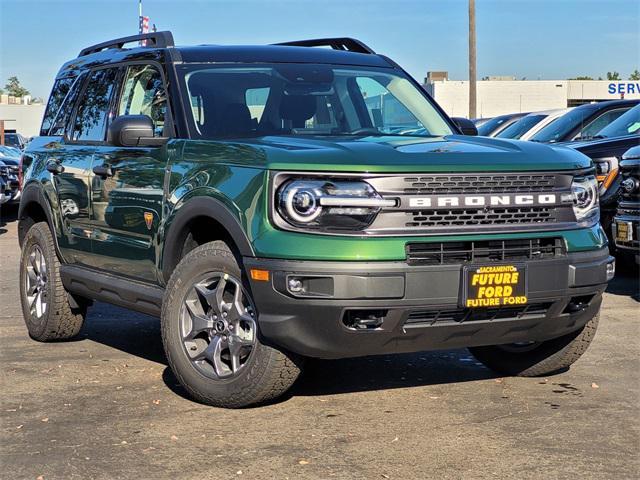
(480, 121)
(3, 182)
(583, 122)
(13, 139)
(495, 125)
(626, 224)
(9, 168)
(606, 149)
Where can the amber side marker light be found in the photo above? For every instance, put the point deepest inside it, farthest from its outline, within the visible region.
(260, 275)
(605, 181)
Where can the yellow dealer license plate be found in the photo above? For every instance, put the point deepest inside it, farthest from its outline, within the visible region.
(495, 286)
(623, 231)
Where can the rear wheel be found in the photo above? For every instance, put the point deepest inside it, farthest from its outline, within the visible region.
(48, 309)
(211, 336)
(533, 359)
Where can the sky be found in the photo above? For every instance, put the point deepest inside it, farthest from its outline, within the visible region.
(546, 39)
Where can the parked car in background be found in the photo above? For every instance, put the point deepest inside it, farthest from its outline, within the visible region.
(3, 183)
(498, 124)
(606, 149)
(480, 121)
(10, 158)
(530, 124)
(522, 126)
(626, 224)
(583, 122)
(13, 139)
(552, 116)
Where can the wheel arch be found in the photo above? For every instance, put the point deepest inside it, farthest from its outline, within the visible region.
(198, 212)
(34, 207)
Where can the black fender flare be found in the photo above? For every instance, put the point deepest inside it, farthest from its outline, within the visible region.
(201, 207)
(33, 193)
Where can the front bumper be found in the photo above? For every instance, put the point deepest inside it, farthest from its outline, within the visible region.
(418, 306)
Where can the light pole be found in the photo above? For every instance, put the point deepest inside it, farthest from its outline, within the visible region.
(472, 59)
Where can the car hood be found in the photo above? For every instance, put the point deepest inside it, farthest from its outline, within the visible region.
(602, 147)
(453, 153)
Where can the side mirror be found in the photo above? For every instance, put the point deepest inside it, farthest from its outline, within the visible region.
(133, 131)
(466, 126)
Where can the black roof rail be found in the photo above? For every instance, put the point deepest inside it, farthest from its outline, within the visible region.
(153, 39)
(343, 43)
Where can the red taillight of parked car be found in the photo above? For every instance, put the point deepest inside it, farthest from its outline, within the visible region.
(20, 175)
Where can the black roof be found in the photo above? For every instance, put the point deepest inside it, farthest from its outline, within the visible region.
(607, 104)
(277, 54)
(340, 51)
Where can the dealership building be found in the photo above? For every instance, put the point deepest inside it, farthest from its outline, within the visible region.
(500, 95)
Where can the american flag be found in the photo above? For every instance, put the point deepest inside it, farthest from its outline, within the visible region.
(143, 28)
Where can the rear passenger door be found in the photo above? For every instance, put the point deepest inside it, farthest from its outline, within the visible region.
(127, 196)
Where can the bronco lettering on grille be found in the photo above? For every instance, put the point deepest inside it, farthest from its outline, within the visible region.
(481, 200)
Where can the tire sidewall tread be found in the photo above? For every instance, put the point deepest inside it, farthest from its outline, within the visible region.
(269, 373)
(60, 320)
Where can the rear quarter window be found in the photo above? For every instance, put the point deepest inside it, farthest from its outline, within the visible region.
(60, 89)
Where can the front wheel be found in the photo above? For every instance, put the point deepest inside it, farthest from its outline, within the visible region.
(538, 358)
(211, 336)
(49, 311)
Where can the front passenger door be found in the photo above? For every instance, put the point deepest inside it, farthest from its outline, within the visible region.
(127, 186)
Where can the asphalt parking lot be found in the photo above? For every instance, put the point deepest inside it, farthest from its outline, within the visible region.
(107, 406)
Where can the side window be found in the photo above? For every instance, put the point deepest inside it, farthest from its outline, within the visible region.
(600, 122)
(61, 120)
(144, 94)
(93, 112)
(58, 93)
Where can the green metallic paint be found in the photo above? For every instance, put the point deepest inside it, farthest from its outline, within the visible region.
(299, 246)
(236, 173)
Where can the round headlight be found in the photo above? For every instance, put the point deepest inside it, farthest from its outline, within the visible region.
(300, 201)
(585, 198)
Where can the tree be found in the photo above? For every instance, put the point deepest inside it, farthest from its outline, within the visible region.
(14, 88)
(583, 77)
(635, 75)
(613, 76)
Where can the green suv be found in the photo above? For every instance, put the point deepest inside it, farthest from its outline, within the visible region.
(280, 202)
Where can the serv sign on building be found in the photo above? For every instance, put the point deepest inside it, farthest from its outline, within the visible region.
(497, 97)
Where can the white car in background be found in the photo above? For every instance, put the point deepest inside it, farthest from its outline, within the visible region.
(530, 124)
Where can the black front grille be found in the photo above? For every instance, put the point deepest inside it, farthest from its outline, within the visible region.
(498, 216)
(629, 209)
(440, 253)
(493, 183)
(430, 318)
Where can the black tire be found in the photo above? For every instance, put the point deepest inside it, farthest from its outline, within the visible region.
(268, 372)
(545, 358)
(62, 318)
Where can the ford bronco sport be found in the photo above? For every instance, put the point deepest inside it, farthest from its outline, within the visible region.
(272, 203)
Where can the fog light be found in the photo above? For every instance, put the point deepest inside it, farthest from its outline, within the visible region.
(611, 270)
(295, 285)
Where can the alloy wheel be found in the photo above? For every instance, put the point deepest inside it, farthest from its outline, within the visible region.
(36, 282)
(218, 326)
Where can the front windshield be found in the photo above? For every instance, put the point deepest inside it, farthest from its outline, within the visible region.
(522, 126)
(487, 128)
(305, 99)
(558, 129)
(626, 124)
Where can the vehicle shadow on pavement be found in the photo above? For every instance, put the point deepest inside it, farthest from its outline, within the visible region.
(139, 335)
(627, 280)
